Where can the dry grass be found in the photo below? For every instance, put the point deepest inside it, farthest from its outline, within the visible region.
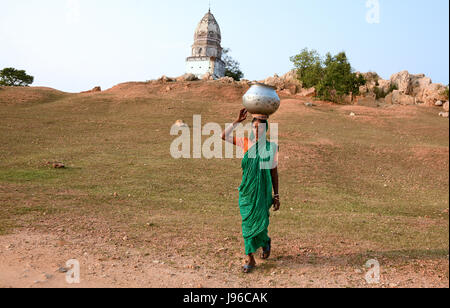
(352, 188)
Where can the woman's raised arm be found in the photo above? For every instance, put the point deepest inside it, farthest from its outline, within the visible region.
(227, 135)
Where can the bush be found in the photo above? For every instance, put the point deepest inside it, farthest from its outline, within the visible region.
(380, 93)
(309, 67)
(333, 77)
(11, 77)
(232, 67)
(445, 93)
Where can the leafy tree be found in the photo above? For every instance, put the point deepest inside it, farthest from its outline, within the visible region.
(12, 77)
(309, 67)
(232, 67)
(339, 79)
(333, 77)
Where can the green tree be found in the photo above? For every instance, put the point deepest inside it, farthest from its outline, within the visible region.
(339, 79)
(12, 77)
(333, 77)
(309, 67)
(232, 67)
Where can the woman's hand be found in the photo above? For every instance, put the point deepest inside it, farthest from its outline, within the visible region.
(242, 116)
(276, 205)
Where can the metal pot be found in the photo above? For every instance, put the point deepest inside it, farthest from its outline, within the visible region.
(261, 100)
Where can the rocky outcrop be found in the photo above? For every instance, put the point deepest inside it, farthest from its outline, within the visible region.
(208, 76)
(311, 92)
(94, 90)
(288, 83)
(226, 80)
(187, 77)
(419, 86)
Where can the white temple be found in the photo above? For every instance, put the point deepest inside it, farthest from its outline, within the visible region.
(206, 51)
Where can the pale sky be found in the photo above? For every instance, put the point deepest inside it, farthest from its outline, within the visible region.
(74, 45)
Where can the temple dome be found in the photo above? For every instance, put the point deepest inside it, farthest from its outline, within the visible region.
(208, 30)
(206, 57)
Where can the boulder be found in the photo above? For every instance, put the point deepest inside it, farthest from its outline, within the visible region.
(180, 123)
(276, 82)
(164, 78)
(399, 98)
(208, 76)
(311, 92)
(403, 82)
(443, 114)
(226, 80)
(446, 107)
(439, 104)
(94, 90)
(388, 99)
(187, 77)
(367, 101)
(291, 78)
(384, 85)
(431, 94)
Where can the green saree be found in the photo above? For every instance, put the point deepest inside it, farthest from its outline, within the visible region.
(255, 195)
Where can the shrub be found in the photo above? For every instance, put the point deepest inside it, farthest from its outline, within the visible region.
(333, 77)
(232, 67)
(12, 77)
(445, 92)
(380, 93)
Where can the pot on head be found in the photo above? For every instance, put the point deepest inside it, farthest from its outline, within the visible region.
(261, 101)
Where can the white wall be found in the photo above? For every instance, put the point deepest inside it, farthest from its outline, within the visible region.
(198, 68)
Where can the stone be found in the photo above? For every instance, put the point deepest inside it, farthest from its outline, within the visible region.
(439, 103)
(446, 107)
(309, 104)
(403, 82)
(443, 114)
(352, 114)
(311, 92)
(187, 77)
(384, 85)
(226, 80)
(368, 101)
(95, 89)
(399, 98)
(59, 166)
(275, 82)
(388, 99)
(62, 270)
(431, 94)
(208, 76)
(164, 78)
(180, 123)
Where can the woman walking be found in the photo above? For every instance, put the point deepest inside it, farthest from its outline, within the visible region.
(260, 176)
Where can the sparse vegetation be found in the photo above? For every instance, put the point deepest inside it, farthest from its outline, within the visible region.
(380, 93)
(445, 92)
(11, 77)
(333, 77)
(232, 67)
(350, 190)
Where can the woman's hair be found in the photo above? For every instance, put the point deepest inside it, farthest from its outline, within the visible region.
(260, 121)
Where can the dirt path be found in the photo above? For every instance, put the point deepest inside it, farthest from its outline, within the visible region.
(34, 260)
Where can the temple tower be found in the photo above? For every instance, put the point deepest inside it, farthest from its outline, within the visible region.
(206, 52)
